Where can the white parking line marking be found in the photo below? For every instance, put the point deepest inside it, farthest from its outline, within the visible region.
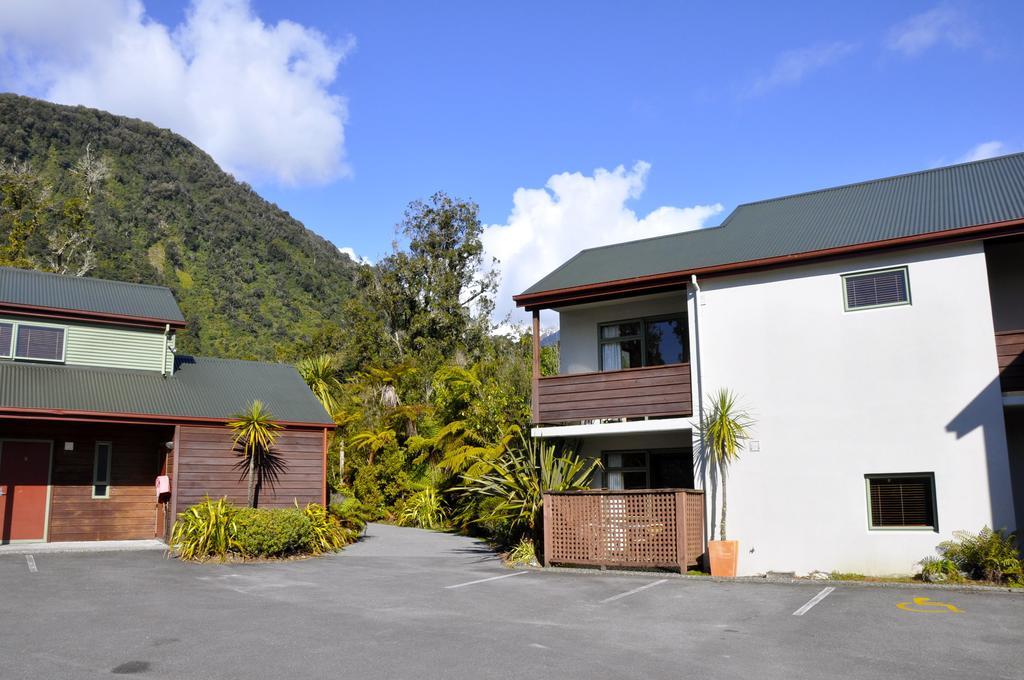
(632, 592)
(813, 601)
(31, 563)
(485, 580)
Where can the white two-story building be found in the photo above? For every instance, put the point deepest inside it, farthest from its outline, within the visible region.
(875, 331)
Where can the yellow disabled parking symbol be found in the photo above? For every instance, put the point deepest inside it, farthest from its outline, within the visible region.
(926, 605)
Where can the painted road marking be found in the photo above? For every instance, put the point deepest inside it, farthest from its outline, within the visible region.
(813, 601)
(926, 605)
(31, 563)
(485, 580)
(632, 592)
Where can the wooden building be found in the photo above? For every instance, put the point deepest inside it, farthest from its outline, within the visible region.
(106, 432)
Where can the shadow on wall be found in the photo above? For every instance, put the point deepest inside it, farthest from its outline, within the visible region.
(986, 411)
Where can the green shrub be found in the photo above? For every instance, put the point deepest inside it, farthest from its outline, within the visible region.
(988, 555)
(424, 509)
(325, 532)
(351, 514)
(271, 532)
(940, 570)
(204, 530)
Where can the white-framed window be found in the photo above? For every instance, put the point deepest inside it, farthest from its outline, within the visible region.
(32, 341)
(878, 288)
(6, 339)
(901, 501)
(101, 470)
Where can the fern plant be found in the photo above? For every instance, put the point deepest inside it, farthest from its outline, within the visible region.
(989, 555)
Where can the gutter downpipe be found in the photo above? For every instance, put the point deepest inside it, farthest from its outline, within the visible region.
(709, 520)
(163, 366)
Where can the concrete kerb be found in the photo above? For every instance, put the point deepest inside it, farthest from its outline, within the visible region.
(961, 587)
(81, 547)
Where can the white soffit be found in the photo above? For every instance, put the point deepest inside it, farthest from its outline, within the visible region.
(599, 429)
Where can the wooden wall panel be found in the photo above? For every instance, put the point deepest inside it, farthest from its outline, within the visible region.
(652, 391)
(138, 455)
(1010, 353)
(207, 467)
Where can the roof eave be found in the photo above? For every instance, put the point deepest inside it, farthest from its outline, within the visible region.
(95, 317)
(605, 290)
(139, 418)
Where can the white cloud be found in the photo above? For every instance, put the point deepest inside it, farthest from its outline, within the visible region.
(574, 211)
(354, 257)
(253, 95)
(793, 66)
(983, 151)
(923, 31)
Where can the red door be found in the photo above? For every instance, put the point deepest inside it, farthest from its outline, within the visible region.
(24, 478)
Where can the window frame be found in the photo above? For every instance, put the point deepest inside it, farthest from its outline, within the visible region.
(16, 325)
(930, 476)
(681, 317)
(646, 469)
(95, 469)
(10, 345)
(868, 272)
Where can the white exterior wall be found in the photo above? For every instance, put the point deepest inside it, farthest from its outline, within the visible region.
(578, 326)
(838, 395)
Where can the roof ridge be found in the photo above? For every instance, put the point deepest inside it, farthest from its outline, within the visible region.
(877, 180)
(85, 278)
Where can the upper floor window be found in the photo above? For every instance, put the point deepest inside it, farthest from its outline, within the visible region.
(6, 335)
(32, 341)
(654, 341)
(882, 288)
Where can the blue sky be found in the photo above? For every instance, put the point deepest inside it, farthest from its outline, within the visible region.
(722, 103)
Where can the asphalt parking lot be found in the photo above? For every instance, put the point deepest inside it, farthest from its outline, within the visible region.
(406, 603)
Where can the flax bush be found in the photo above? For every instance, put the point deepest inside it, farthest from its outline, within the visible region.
(205, 530)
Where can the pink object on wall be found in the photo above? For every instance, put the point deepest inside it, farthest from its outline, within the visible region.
(163, 485)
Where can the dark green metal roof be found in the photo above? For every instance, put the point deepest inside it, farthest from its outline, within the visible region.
(982, 192)
(199, 388)
(97, 296)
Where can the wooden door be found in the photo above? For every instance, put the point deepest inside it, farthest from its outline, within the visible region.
(24, 487)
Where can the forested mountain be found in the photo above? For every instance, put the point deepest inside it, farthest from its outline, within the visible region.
(252, 281)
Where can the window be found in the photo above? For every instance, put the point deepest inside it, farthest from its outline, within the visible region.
(901, 501)
(884, 288)
(643, 342)
(43, 343)
(654, 469)
(6, 334)
(101, 471)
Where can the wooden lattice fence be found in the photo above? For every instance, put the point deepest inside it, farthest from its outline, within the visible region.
(656, 528)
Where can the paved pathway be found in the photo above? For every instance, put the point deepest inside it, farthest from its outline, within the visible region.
(405, 603)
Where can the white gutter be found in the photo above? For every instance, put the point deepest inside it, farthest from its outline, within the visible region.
(163, 366)
(696, 348)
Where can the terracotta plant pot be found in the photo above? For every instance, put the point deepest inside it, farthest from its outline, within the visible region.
(723, 556)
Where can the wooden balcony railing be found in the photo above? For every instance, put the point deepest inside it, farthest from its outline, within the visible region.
(1010, 352)
(659, 528)
(652, 391)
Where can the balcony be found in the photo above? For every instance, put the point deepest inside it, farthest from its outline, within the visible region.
(1010, 352)
(636, 392)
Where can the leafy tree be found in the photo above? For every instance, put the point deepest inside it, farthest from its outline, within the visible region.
(24, 199)
(320, 374)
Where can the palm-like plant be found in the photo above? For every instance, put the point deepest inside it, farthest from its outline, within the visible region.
(321, 374)
(519, 478)
(724, 433)
(256, 433)
(372, 443)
